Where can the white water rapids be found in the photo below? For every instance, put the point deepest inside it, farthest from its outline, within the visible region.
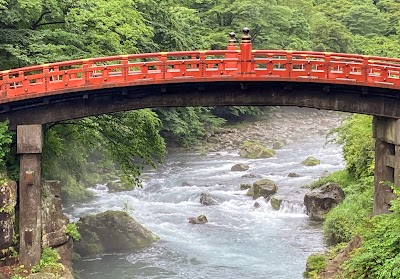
(240, 241)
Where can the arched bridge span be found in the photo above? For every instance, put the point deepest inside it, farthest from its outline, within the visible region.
(80, 88)
(32, 96)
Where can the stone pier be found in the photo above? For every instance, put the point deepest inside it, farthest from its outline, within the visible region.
(386, 132)
(29, 146)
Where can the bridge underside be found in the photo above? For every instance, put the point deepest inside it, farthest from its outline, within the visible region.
(347, 98)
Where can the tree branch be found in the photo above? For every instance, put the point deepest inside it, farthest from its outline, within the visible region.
(37, 23)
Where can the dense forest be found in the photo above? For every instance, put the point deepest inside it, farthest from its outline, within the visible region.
(42, 31)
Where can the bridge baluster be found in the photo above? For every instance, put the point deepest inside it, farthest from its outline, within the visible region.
(86, 72)
(327, 65)
(125, 71)
(202, 64)
(246, 55)
(365, 68)
(289, 64)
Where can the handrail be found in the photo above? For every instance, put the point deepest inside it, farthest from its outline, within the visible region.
(198, 66)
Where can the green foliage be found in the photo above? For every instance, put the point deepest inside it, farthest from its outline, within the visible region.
(130, 140)
(341, 221)
(188, 125)
(340, 177)
(5, 142)
(379, 256)
(315, 264)
(49, 262)
(358, 145)
(72, 231)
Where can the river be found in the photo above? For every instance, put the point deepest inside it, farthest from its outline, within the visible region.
(239, 241)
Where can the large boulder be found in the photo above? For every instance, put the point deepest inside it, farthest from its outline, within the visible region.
(206, 199)
(255, 150)
(8, 201)
(111, 232)
(262, 188)
(240, 167)
(311, 161)
(321, 200)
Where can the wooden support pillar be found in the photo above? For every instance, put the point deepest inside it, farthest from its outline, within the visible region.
(387, 161)
(29, 146)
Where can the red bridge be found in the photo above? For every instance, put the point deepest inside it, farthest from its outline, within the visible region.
(32, 96)
(79, 88)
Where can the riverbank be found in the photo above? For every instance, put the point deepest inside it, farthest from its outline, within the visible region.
(284, 124)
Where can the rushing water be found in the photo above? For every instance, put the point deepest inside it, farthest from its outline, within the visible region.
(240, 241)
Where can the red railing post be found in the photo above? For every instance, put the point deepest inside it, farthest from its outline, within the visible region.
(232, 46)
(327, 65)
(365, 68)
(246, 55)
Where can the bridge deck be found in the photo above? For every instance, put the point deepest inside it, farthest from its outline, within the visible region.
(198, 66)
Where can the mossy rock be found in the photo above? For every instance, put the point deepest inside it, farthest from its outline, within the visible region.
(245, 186)
(264, 188)
(201, 219)
(276, 202)
(250, 192)
(118, 186)
(111, 232)
(311, 161)
(255, 150)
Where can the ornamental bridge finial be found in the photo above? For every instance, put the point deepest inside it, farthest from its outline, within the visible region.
(246, 38)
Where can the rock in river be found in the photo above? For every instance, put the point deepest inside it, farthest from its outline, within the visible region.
(111, 232)
(201, 219)
(262, 188)
(255, 150)
(311, 161)
(321, 200)
(240, 167)
(206, 199)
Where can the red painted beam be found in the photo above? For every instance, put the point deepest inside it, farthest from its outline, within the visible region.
(198, 66)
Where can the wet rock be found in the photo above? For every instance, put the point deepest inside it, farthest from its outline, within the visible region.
(293, 174)
(118, 186)
(276, 202)
(240, 167)
(8, 201)
(255, 150)
(257, 205)
(278, 145)
(111, 232)
(321, 200)
(251, 175)
(262, 188)
(311, 161)
(185, 183)
(54, 222)
(201, 219)
(213, 139)
(245, 186)
(206, 199)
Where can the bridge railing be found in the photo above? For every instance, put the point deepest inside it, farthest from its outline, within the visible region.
(198, 66)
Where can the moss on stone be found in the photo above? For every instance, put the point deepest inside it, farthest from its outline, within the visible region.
(311, 161)
(255, 150)
(111, 231)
